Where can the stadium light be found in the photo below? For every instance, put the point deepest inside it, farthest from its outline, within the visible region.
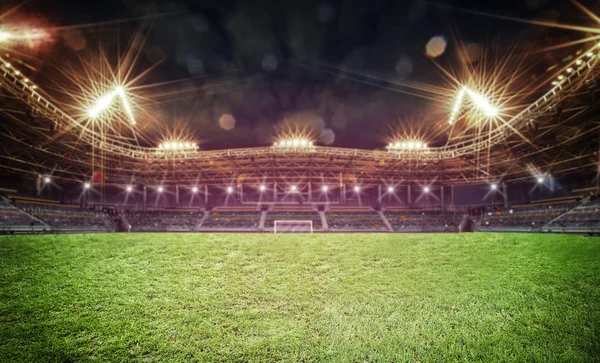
(494, 186)
(195, 190)
(87, 185)
(47, 179)
(5, 36)
(294, 188)
(161, 189)
(482, 103)
(295, 143)
(540, 179)
(229, 190)
(129, 189)
(324, 188)
(356, 188)
(407, 145)
(390, 189)
(426, 189)
(262, 188)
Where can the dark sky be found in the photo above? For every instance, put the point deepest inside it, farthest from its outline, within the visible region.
(263, 61)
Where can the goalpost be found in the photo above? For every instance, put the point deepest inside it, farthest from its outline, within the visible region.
(298, 226)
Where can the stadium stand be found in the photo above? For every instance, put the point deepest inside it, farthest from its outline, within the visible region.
(403, 220)
(232, 217)
(344, 218)
(13, 219)
(68, 218)
(293, 213)
(163, 220)
(583, 217)
(531, 216)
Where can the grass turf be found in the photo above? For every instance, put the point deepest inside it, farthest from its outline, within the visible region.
(259, 297)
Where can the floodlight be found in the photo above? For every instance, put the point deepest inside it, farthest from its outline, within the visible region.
(262, 188)
(324, 188)
(398, 145)
(303, 142)
(484, 104)
(5, 36)
(356, 188)
(194, 145)
(296, 142)
(161, 189)
(510, 211)
(47, 179)
(310, 143)
(569, 70)
(404, 145)
(130, 189)
(275, 143)
(229, 190)
(578, 62)
(426, 189)
(187, 145)
(288, 142)
(390, 189)
(87, 185)
(195, 190)
(494, 186)
(294, 188)
(540, 179)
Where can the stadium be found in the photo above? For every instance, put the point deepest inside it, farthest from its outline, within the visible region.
(326, 181)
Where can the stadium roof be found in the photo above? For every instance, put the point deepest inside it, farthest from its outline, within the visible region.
(487, 109)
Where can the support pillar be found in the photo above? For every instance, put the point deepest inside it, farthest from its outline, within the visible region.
(309, 191)
(176, 195)
(443, 198)
(205, 194)
(452, 194)
(504, 195)
(274, 191)
(145, 196)
(379, 193)
(241, 189)
(409, 195)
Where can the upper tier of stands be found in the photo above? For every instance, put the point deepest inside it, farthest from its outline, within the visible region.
(354, 219)
(161, 221)
(423, 221)
(528, 216)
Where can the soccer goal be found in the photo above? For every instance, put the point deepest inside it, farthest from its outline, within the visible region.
(300, 226)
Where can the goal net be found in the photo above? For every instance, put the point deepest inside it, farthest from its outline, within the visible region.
(301, 226)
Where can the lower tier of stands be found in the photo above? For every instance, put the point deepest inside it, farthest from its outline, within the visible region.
(415, 221)
(68, 218)
(162, 221)
(355, 221)
(231, 220)
(585, 216)
(294, 216)
(525, 217)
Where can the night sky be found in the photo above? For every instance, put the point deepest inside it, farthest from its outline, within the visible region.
(258, 61)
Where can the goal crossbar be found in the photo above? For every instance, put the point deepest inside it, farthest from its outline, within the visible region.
(293, 226)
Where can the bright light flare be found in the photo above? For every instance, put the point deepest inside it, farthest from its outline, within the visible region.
(494, 186)
(195, 190)
(324, 188)
(426, 189)
(46, 179)
(390, 189)
(262, 188)
(87, 185)
(102, 104)
(540, 180)
(229, 190)
(356, 189)
(129, 189)
(294, 188)
(5, 36)
(482, 103)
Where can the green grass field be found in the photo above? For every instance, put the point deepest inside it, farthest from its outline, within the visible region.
(338, 298)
